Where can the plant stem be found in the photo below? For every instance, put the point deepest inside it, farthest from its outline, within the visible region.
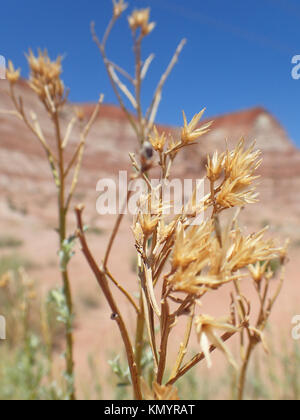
(65, 276)
(166, 322)
(117, 316)
(122, 290)
(138, 79)
(184, 345)
(139, 337)
(101, 48)
(115, 231)
(243, 372)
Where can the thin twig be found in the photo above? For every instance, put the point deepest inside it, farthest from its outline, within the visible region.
(138, 86)
(79, 152)
(121, 71)
(152, 111)
(122, 86)
(117, 316)
(124, 291)
(166, 325)
(101, 48)
(184, 344)
(146, 66)
(108, 31)
(68, 132)
(94, 115)
(115, 231)
(196, 359)
(20, 109)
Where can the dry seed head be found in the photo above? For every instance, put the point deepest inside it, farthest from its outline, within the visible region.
(189, 132)
(199, 277)
(200, 263)
(242, 163)
(147, 29)
(232, 195)
(12, 75)
(250, 249)
(118, 8)
(138, 233)
(165, 231)
(195, 207)
(258, 271)
(173, 147)
(239, 167)
(206, 328)
(139, 19)
(150, 211)
(214, 166)
(218, 256)
(238, 252)
(187, 280)
(45, 78)
(191, 246)
(148, 223)
(157, 140)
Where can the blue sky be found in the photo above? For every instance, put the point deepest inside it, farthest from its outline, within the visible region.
(238, 53)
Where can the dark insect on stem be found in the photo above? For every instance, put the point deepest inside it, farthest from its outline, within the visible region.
(114, 317)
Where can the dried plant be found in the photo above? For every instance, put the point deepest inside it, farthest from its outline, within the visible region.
(45, 81)
(140, 28)
(179, 263)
